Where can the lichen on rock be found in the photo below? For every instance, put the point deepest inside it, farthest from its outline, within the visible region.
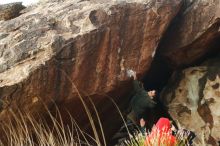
(195, 100)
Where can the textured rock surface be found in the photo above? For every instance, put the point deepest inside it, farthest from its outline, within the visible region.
(91, 42)
(193, 98)
(194, 33)
(9, 11)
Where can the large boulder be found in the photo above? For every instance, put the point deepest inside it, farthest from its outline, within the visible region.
(9, 11)
(193, 98)
(193, 34)
(58, 46)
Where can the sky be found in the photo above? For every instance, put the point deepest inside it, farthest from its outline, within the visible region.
(25, 2)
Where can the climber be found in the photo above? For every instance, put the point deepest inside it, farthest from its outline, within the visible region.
(141, 101)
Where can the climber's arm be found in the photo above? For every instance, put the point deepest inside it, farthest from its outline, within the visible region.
(136, 86)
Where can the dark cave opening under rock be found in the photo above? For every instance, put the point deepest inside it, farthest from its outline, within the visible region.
(160, 72)
(156, 79)
(158, 75)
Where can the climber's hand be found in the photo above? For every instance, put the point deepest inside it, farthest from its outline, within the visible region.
(142, 122)
(131, 73)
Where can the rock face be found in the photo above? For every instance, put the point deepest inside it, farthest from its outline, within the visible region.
(193, 98)
(89, 44)
(9, 11)
(194, 33)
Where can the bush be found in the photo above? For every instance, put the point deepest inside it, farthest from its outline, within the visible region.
(158, 139)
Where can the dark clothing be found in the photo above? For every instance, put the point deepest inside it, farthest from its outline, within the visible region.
(141, 100)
